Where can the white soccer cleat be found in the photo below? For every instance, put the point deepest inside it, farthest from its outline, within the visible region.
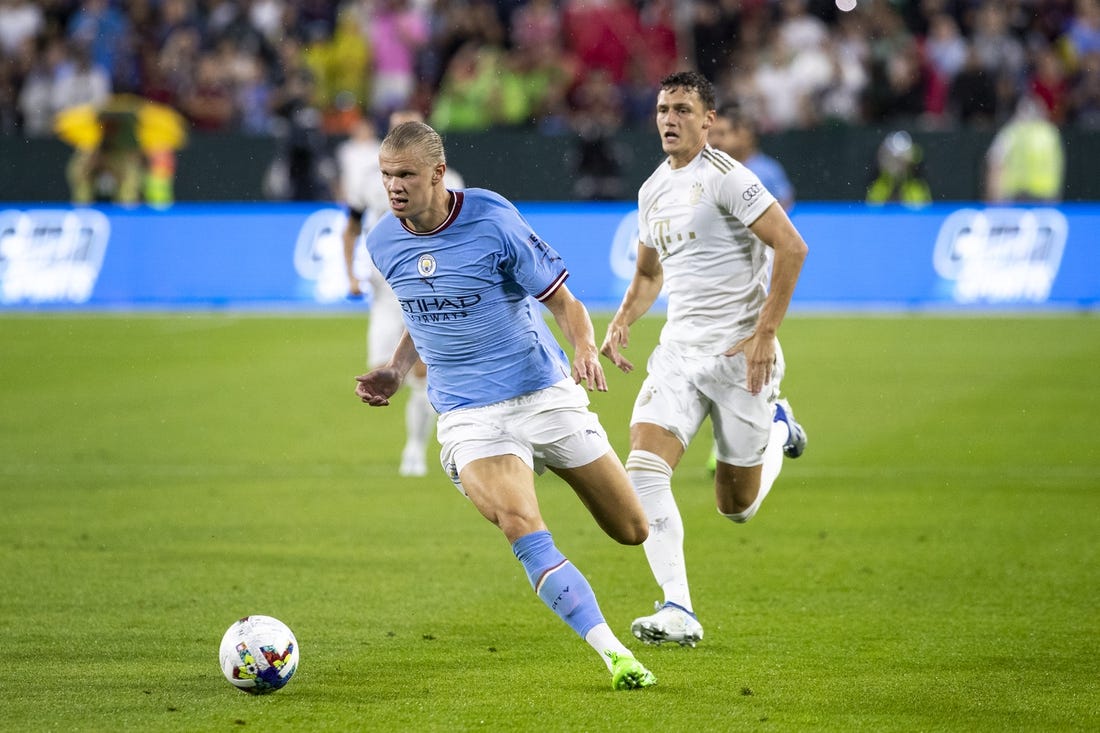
(413, 462)
(671, 622)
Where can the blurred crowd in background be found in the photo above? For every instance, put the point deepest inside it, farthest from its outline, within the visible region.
(552, 65)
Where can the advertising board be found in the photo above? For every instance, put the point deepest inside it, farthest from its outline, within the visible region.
(289, 256)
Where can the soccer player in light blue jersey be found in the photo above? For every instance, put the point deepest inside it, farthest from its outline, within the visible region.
(367, 202)
(470, 273)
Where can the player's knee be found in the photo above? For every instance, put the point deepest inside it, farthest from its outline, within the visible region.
(635, 532)
(626, 523)
(736, 491)
(515, 525)
(737, 506)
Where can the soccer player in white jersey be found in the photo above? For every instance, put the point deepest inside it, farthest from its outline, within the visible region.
(734, 133)
(361, 184)
(705, 222)
(469, 273)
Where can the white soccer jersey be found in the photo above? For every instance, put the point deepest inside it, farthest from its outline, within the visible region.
(715, 268)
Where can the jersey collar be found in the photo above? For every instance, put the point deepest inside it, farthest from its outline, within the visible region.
(457, 197)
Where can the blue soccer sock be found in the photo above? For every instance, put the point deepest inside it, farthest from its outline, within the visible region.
(560, 585)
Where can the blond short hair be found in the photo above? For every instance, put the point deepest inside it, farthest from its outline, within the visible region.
(416, 137)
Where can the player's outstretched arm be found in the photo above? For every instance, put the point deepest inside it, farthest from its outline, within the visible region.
(644, 288)
(575, 324)
(377, 386)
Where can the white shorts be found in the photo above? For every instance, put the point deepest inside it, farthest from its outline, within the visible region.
(552, 427)
(680, 391)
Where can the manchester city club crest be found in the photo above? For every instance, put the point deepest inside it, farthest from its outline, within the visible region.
(425, 265)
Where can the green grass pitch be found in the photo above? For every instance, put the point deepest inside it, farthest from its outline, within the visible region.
(930, 564)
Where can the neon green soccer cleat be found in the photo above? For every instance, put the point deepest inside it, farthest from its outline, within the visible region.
(627, 673)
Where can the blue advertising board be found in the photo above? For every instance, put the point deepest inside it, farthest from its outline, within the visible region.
(289, 256)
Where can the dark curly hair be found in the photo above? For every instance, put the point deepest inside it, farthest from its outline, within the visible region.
(691, 80)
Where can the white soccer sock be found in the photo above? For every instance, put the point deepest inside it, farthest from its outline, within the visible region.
(773, 462)
(601, 638)
(664, 548)
(419, 415)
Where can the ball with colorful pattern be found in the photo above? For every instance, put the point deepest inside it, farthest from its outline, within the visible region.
(258, 654)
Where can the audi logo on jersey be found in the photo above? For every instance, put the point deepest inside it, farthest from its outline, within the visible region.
(752, 191)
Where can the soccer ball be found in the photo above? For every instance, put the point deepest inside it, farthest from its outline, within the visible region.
(259, 654)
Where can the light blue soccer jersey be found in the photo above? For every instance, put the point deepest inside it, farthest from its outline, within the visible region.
(469, 293)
